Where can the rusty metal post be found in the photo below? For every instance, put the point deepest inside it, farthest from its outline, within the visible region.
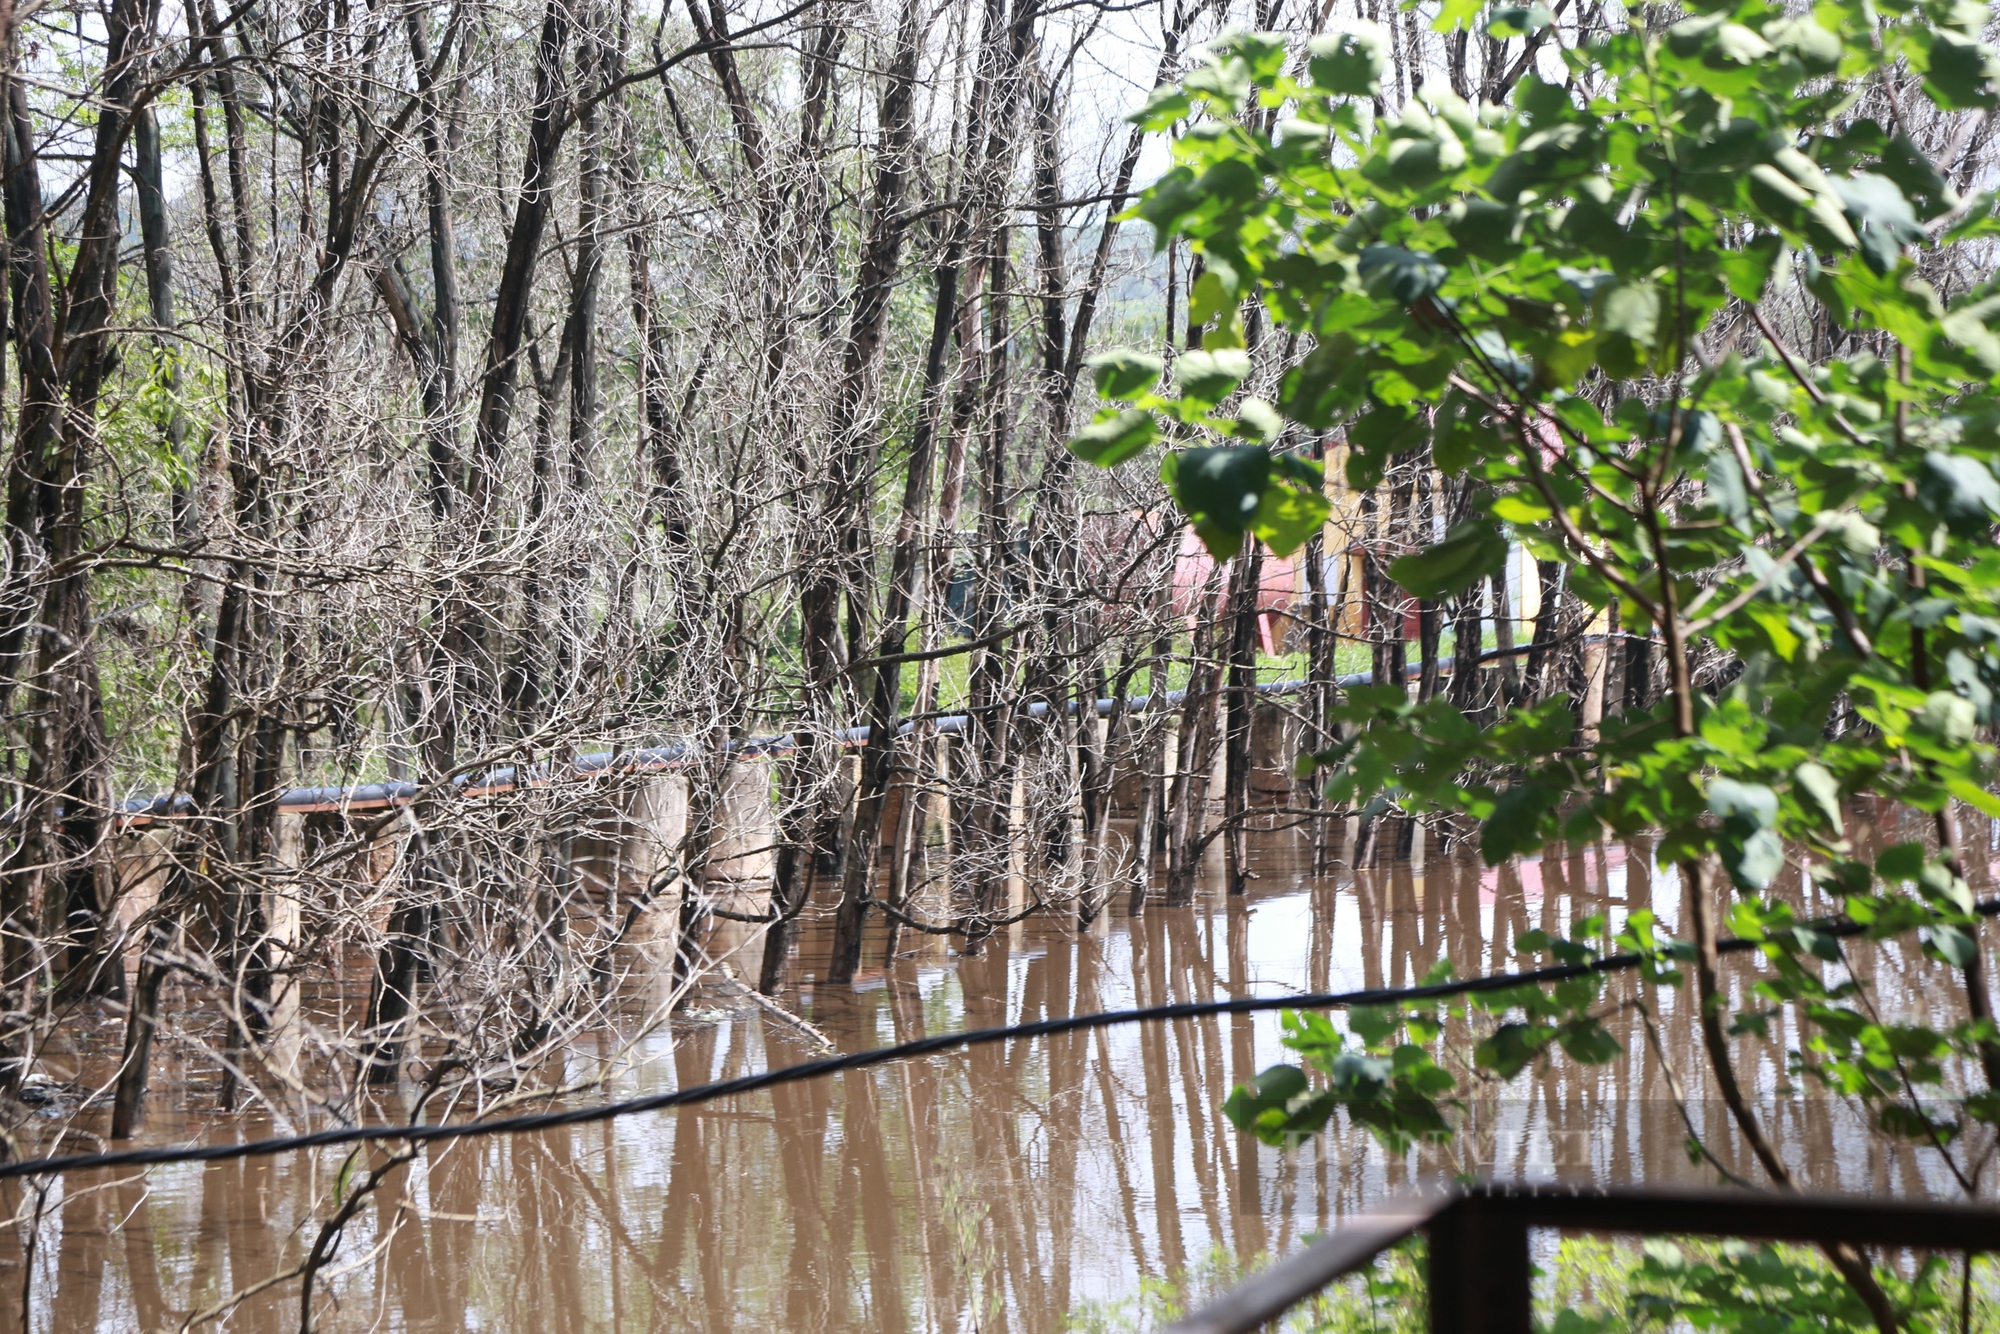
(1480, 1280)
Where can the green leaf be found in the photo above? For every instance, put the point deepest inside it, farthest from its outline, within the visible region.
(1456, 15)
(1463, 434)
(1755, 861)
(1374, 1024)
(1516, 823)
(1717, 42)
(1376, 437)
(1220, 488)
(1628, 328)
(1483, 227)
(1940, 887)
(1954, 944)
(1959, 71)
(1226, 81)
(1114, 437)
(1752, 803)
(1124, 373)
(1965, 340)
(1748, 842)
(1881, 217)
(1949, 719)
(1738, 45)
(1258, 421)
(1748, 271)
(1975, 796)
(1162, 109)
(1326, 384)
(344, 1179)
(1805, 40)
(1958, 489)
(1293, 505)
(1511, 1048)
(1408, 276)
(1277, 1106)
(1509, 366)
(1843, 877)
(1587, 1041)
(1171, 199)
(1922, 183)
(1728, 490)
(1270, 1090)
(1735, 146)
(1211, 297)
(1206, 378)
(1469, 552)
(1261, 53)
(1518, 20)
(1633, 310)
(1900, 861)
(1819, 791)
(1349, 61)
(1522, 507)
(1790, 204)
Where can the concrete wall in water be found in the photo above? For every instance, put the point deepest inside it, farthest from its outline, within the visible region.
(626, 849)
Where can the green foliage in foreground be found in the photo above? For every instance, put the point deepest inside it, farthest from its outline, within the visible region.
(1574, 303)
(1594, 1286)
(1535, 293)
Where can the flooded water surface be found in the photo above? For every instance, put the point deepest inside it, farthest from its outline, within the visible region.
(1020, 1186)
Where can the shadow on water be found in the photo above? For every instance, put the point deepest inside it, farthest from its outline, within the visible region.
(998, 1188)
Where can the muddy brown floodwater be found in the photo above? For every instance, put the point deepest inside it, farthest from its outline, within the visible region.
(1002, 1188)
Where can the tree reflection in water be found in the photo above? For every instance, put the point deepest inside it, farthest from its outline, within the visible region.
(993, 1189)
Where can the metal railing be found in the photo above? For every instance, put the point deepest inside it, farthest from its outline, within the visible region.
(1480, 1277)
(139, 811)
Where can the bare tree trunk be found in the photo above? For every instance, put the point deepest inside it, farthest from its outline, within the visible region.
(1503, 637)
(1322, 639)
(794, 868)
(1637, 687)
(1100, 785)
(1242, 703)
(1397, 537)
(150, 197)
(1152, 782)
(465, 680)
(392, 999)
(580, 342)
(548, 122)
(128, 1098)
(66, 353)
(1188, 804)
(881, 260)
(1543, 647)
(1430, 625)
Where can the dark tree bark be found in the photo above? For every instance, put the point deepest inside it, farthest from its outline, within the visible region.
(66, 349)
(1187, 808)
(150, 198)
(1146, 821)
(548, 122)
(1242, 703)
(881, 259)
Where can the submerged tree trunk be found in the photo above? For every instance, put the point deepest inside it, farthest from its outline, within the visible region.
(1187, 806)
(1146, 822)
(879, 266)
(1242, 704)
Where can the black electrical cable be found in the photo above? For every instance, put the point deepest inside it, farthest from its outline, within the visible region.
(931, 1046)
